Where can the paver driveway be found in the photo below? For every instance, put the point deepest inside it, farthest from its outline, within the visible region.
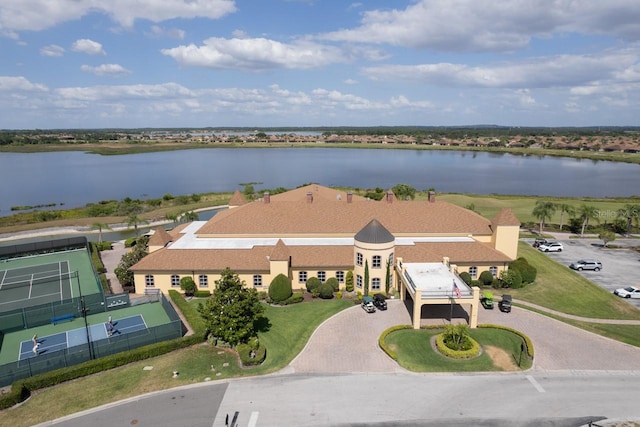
(348, 342)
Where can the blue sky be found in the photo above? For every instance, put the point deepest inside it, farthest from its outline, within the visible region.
(198, 63)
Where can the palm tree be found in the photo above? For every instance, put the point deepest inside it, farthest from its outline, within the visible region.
(543, 210)
(99, 226)
(565, 209)
(585, 213)
(631, 213)
(135, 220)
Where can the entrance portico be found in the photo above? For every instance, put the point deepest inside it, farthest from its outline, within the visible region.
(435, 283)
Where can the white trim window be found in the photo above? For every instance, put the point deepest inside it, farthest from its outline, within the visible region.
(302, 277)
(149, 282)
(358, 281)
(203, 280)
(340, 276)
(175, 281)
(322, 275)
(257, 280)
(376, 261)
(375, 284)
(473, 272)
(359, 259)
(493, 270)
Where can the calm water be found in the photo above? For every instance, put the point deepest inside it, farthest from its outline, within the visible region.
(77, 178)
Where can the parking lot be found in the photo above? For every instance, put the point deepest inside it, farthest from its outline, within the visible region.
(620, 267)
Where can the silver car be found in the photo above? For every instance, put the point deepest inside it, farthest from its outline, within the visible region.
(586, 264)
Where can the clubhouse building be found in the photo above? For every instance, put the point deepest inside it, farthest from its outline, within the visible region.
(315, 231)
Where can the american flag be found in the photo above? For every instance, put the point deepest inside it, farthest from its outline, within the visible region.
(456, 289)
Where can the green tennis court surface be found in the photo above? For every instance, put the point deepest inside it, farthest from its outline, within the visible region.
(78, 337)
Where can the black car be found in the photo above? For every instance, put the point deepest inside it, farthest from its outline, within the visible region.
(380, 301)
(505, 304)
(539, 241)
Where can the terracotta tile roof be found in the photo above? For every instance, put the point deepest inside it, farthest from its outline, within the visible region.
(237, 199)
(160, 237)
(505, 217)
(337, 217)
(467, 252)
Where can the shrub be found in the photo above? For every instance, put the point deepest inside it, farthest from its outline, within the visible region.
(339, 295)
(202, 294)
(527, 341)
(466, 277)
(245, 352)
(511, 279)
(294, 299)
(472, 350)
(188, 286)
(313, 283)
(486, 278)
(262, 295)
(325, 290)
(349, 281)
(526, 270)
(130, 242)
(382, 340)
(334, 283)
(280, 288)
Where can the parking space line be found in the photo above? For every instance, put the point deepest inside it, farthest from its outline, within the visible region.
(535, 384)
(253, 420)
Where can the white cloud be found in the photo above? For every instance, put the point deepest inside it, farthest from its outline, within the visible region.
(36, 15)
(9, 84)
(112, 70)
(551, 71)
(256, 54)
(471, 25)
(161, 32)
(88, 46)
(141, 91)
(52, 50)
(350, 82)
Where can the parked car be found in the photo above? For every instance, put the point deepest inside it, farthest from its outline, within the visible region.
(380, 301)
(586, 264)
(539, 241)
(628, 292)
(367, 305)
(487, 300)
(551, 247)
(505, 304)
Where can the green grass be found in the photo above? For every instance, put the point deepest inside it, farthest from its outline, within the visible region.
(415, 353)
(559, 288)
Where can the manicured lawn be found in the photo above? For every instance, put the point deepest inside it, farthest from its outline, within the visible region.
(415, 352)
(559, 288)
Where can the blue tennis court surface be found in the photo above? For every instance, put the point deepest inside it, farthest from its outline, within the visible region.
(78, 337)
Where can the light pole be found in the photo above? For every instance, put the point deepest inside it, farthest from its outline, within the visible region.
(83, 311)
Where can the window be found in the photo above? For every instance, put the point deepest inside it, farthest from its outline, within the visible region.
(203, 280)
(375, 284)
(359, 259)
(358, 281)
(376, 262)
(302, 277)
(340, 276)
(257, 280)
(473, 272)
(391, 260)
(175, 281)
(322, 275)
(148, 280)
(493, 270)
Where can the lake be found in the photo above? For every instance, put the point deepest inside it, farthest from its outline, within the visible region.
(77, 178)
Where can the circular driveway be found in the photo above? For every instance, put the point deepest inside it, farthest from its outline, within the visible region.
(348, 342)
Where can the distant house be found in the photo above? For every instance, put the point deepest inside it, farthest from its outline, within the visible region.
(315, 231)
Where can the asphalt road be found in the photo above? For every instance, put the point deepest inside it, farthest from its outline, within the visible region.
(402, 399)
(620, 267)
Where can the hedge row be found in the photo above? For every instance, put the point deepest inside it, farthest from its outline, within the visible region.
(527, 341)
(457, 354)
(192, 316)
(383, 345)
(20, 390)
(202, 294)
(99, 267)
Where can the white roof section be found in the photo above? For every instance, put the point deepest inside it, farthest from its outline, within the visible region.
(435, 280)
(189, 240)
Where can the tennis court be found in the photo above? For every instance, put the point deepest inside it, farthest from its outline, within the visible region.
(78, 337)
(46, 278)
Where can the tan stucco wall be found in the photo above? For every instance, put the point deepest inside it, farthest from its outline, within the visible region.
(368, 250)
(506, 240)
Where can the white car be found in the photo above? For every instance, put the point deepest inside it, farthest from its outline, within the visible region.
(628, 292)
(551, 247)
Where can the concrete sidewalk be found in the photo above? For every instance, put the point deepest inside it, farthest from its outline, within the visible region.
(111, 259)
